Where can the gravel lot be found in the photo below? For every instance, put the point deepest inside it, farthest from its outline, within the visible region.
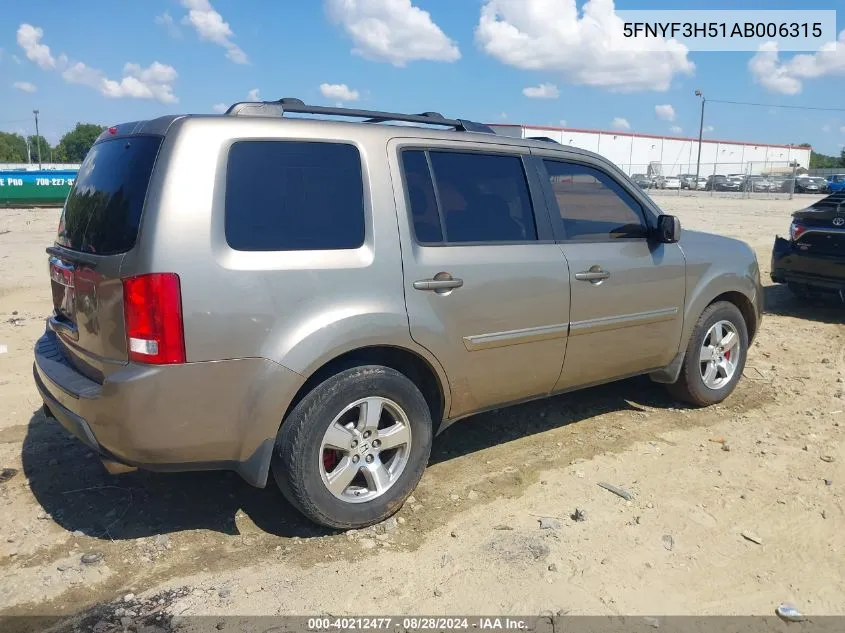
(735, 508)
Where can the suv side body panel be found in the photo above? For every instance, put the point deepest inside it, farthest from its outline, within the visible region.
(630, 322)
(717, 265)
(501, 336)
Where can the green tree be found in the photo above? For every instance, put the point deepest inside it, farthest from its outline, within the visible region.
(823, 161)
(75, 144)
(33, 148)
(12, 148)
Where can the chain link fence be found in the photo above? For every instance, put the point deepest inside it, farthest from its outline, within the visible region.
(737, 180)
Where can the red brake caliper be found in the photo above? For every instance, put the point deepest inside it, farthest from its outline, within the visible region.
(329, 460)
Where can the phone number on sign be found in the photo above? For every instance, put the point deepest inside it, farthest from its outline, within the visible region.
(722, 29)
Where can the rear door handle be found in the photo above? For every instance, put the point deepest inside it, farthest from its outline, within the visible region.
(448, 283)
(594, 275)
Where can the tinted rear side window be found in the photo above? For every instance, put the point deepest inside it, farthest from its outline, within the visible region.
(421, 196)
(483, 197)
(103, 210)
(291, 195)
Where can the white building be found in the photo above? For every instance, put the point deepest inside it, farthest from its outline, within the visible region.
(633, 153)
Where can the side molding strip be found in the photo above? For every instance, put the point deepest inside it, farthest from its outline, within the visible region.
(604, 324)
(516, 337)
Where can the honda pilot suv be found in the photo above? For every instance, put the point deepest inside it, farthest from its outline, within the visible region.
(317, 298)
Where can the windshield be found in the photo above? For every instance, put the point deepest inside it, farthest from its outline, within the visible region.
(103, 210)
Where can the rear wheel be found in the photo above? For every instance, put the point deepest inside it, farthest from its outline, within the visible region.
(715, 356)
(354, 448)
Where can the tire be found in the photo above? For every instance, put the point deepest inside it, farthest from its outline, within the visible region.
(299, 465)
(690, 386)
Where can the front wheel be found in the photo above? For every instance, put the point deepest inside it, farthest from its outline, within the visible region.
(354, 448)
(715, 356)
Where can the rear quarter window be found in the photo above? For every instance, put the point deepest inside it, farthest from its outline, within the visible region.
(102, 213)
(294, 195)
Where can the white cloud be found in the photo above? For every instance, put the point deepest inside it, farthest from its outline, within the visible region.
(788, 77)
(16, 59)
(219, 108)
(25, 86)
(29, 39)
(154, 82)
(211, 26)
(563, 123)
(665, 112)
(709, 128)
(393, 31)
(549, 35)
(339, 92)
(621, 124)
(166, 20)
(252, 95)
(842, 129)
(676, 129)
(543, 91)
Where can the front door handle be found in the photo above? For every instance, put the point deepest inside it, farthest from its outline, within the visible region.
(440, 283)
(595, 275)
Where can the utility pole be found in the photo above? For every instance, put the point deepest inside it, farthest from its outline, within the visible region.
(37, 138)
(698, 93)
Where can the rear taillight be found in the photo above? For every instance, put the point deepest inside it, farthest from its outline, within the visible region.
(152, 307)
(796, 230)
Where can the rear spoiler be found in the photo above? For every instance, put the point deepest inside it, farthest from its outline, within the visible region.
(152, 127)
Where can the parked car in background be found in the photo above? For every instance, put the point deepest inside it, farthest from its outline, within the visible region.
(722, 183)
(836, 182)
(657, 182)
(687, 181)
(758, 183)
(321, 336)
(810, 184)
(779, 184)
(701, 183)
(641, 180)
(671, 182)
(739, 179)
(812, 259)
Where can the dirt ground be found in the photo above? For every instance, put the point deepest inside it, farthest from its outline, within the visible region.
(735, 508)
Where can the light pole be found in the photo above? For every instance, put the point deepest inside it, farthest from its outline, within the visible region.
(698, 93)
(37, 138)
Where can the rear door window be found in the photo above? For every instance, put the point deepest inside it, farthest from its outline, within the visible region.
(103, 210)
(481, 198)
(293, 196)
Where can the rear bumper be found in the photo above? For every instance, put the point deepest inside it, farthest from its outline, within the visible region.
(194, 416)
(791, 265)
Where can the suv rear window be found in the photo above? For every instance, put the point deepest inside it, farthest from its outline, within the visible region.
(293, 196)
(103, 210)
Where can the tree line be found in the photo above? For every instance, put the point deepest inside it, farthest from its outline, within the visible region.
(72, 147)
(823, 161)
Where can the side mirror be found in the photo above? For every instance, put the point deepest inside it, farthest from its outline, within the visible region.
(668, 229)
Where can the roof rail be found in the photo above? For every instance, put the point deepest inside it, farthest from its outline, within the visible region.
(542, 138)
(278, 109)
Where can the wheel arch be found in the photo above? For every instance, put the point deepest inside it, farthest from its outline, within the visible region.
(745, 306)
(418, 369)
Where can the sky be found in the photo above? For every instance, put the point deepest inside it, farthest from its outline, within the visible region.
(540, 62)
